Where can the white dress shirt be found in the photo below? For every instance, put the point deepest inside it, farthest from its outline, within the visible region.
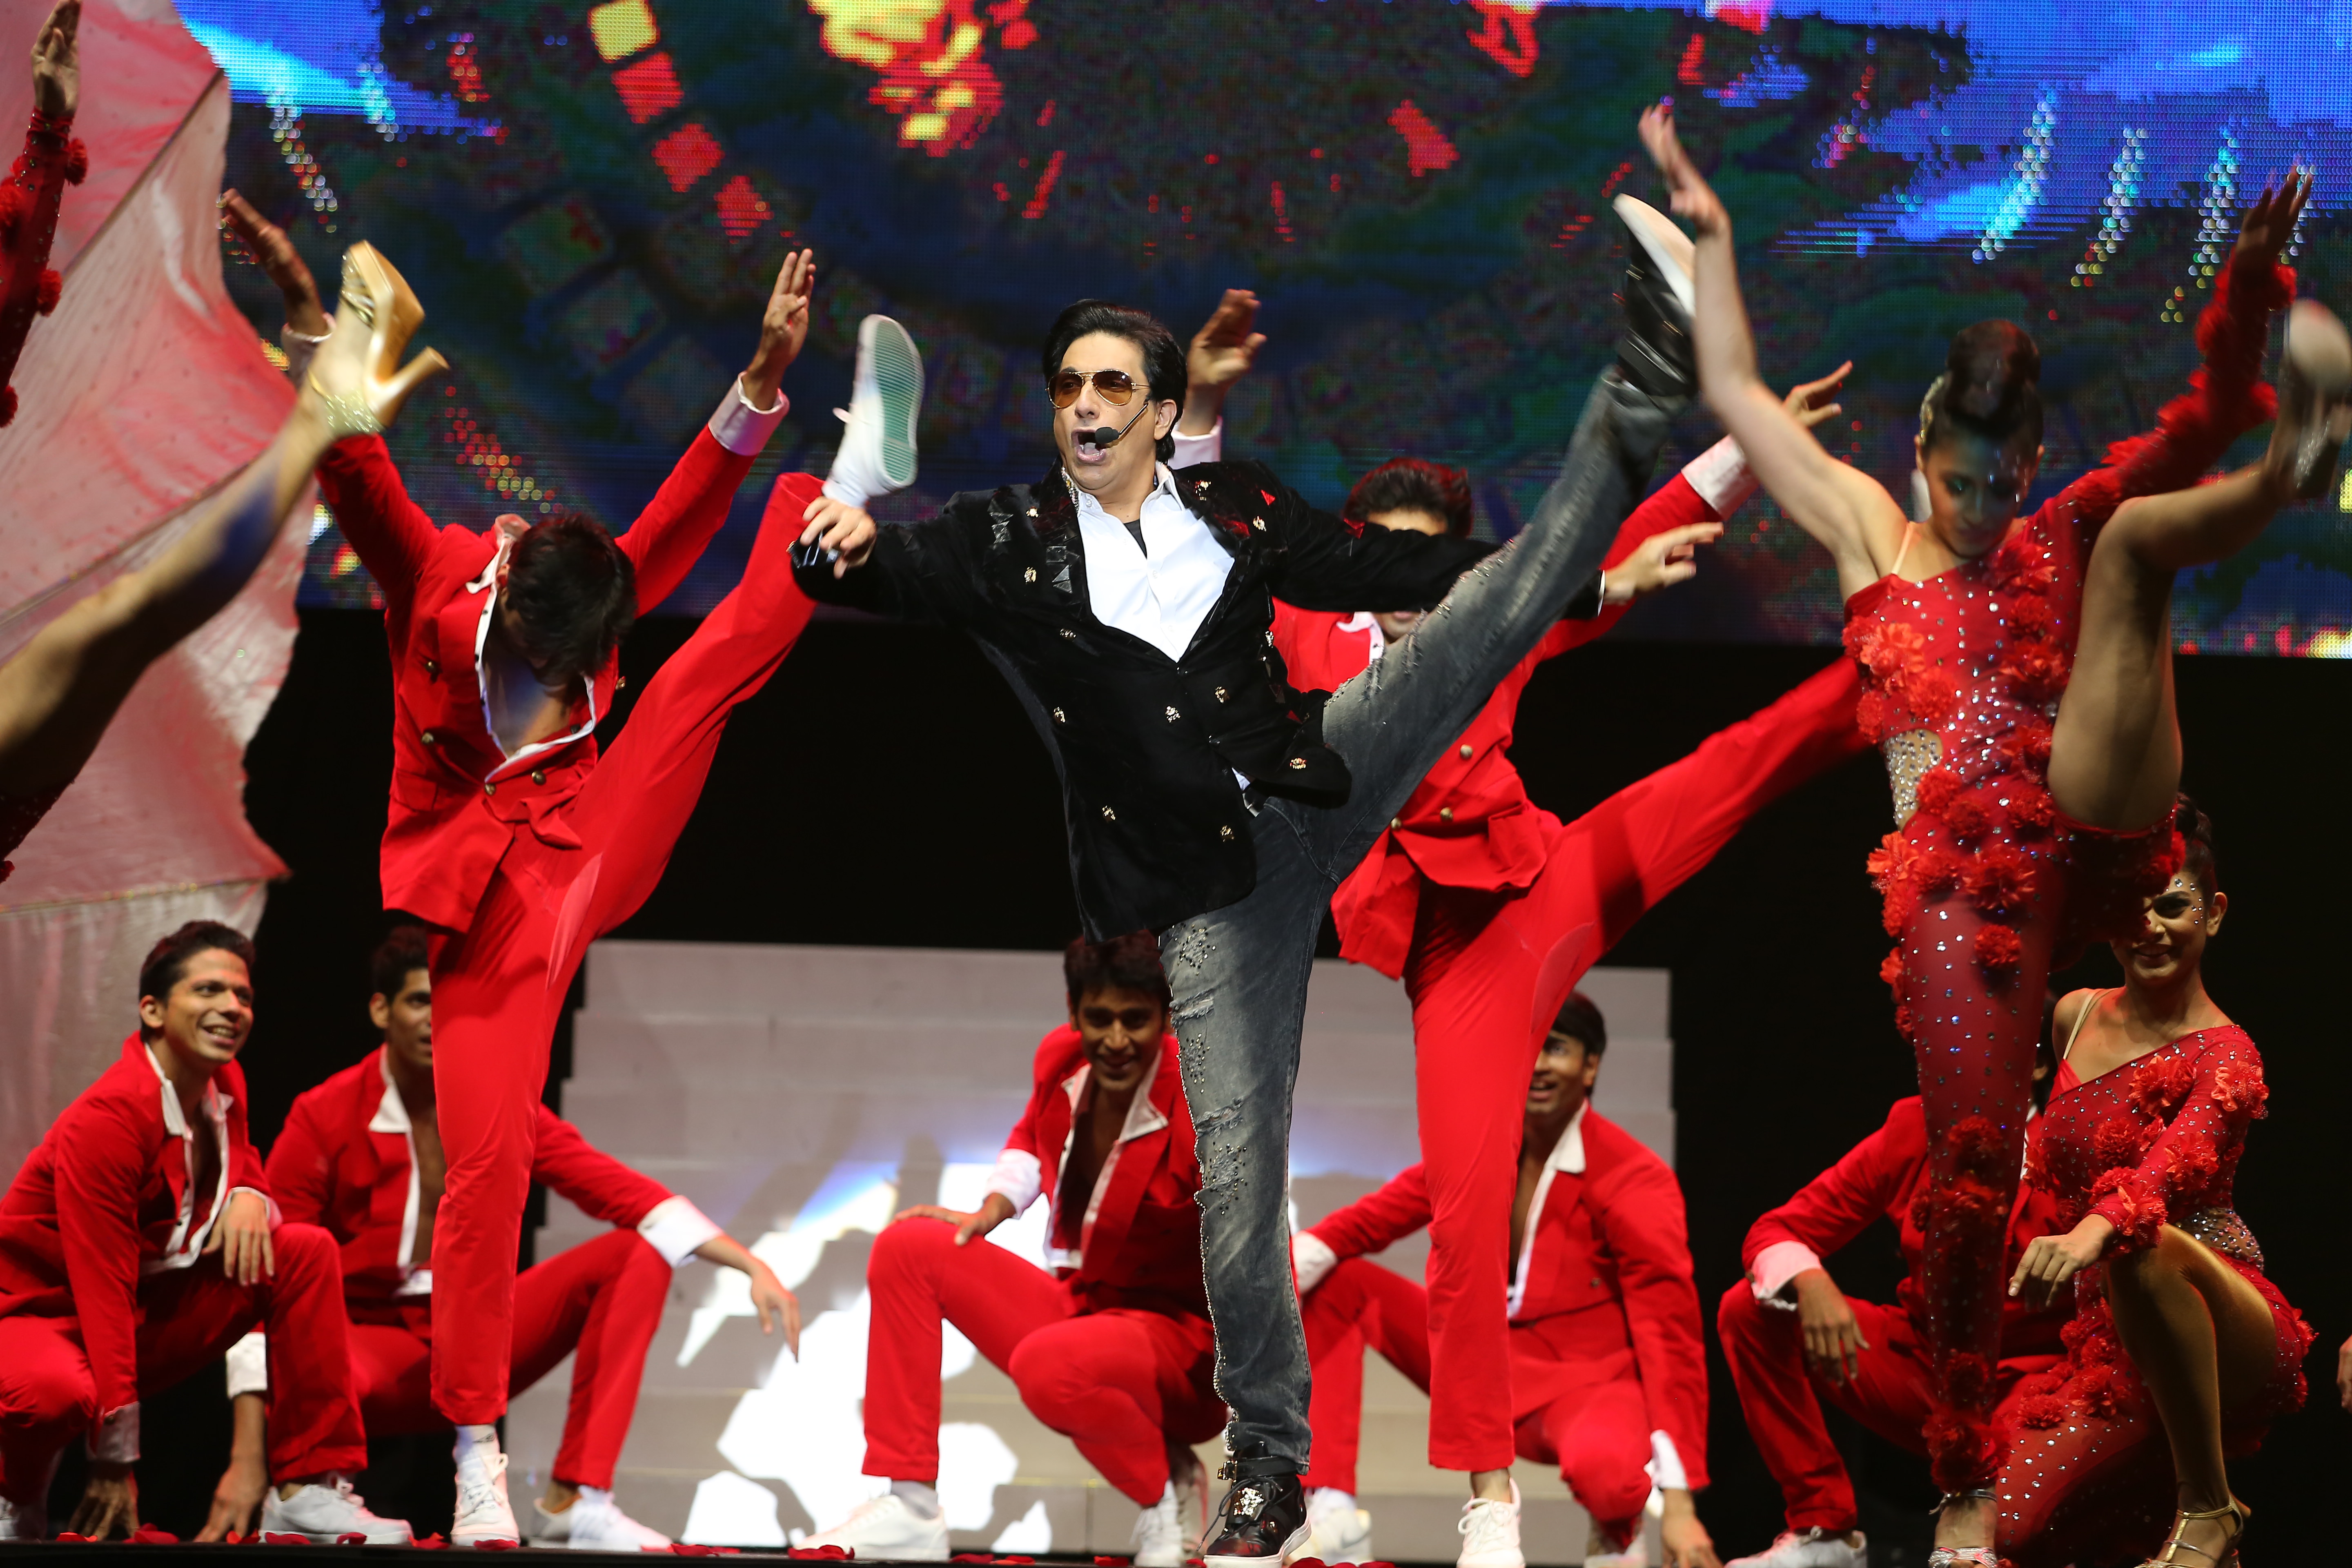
(1162, 591)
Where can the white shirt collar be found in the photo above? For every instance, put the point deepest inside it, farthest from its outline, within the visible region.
(1159, 593)
(187, 1240)
(392, 1116)
(1366, 622)
(1567, 1156)
(482, 672)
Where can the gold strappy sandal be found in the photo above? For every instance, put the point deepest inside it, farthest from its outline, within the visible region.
(2233, 1511)
(357, 376)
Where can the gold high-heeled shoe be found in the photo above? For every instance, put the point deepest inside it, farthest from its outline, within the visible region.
(2233, 1511)
(2315, 388)
(357, 375)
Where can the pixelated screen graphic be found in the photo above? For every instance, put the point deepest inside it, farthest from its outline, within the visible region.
(592, 201)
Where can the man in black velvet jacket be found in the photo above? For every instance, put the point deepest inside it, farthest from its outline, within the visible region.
(1130, 607)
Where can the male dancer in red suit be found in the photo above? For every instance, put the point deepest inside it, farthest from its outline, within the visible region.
(1113, 1346)
(361, 1156)
(1490, 909)
(1790, 1335)
(505, 834)
(138, 1241)
(1607, 1357)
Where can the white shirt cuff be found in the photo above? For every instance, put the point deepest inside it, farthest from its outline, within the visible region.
(1192, 449)
(249, 1364)
(1777, 1264)
(299, 348)
(674, 1228)
(1666, 1464)
(1019, 1177)
(742, 428)
(1311, 1258)
(1721, 477)
(115, 1440)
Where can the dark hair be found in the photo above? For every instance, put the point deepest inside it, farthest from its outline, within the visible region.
(167, 962)
(1163, 356)
(1131, 962)
(2196, 830)
(1991, 386)
(575, 594)
(1410, 482)
(1580, 1020)
(404, 951)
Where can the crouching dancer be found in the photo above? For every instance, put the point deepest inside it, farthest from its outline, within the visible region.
(138, 1241)
(1607, 1376)
(362, 1155)
(1113, 1347)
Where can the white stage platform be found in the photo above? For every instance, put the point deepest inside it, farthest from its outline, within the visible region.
(801, 1094)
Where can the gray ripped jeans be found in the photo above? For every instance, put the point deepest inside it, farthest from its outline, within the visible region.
(1237, 975)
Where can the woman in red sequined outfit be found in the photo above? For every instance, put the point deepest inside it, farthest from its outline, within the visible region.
(58, 693)
(2176, 1326)
(2027, 811)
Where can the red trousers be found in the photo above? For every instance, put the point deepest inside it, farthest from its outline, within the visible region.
(1579, 1405)
(498, 986)
(1487, 975)
(1121, 1383)
(188, 1317)
(603, 1298)
(1891, 1393)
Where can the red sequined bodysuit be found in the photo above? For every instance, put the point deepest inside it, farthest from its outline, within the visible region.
(1983, 878)
(51, 160)
(2152, 1142)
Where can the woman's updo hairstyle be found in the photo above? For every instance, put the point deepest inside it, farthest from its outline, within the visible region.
(1991, 386)
(2196, 830)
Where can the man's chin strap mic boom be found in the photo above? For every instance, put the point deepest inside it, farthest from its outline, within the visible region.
(1102, 437)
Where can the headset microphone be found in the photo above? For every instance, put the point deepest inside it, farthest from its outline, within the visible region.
(1102, 437)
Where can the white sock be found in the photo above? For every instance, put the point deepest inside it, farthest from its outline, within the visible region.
(920, 1498)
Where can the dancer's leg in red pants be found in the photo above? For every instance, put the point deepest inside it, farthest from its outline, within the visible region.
(1118, 1384)
(1359, 1306)
(498, 986)
(1598, 1433)
(1487, 975)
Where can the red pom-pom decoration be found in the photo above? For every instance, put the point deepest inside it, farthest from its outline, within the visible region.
(77, 162)
(2239, 1089)
(2031, 811)
(2036, 672)
(46, 293)
(1937, 788)
(1968, 815)
(14, 206)
(1890, 969)
(1998, 949)
(2001, 881)
(7, 418)
(2040, 1412)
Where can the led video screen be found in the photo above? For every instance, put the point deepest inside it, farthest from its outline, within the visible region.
(592, 203)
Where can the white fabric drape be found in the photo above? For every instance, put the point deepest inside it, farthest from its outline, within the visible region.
(139, 398)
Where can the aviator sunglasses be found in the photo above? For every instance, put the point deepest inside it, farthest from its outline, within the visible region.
(1116, 385)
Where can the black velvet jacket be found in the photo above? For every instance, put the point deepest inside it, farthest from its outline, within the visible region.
(1147, 746)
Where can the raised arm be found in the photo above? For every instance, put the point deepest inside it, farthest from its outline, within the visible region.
(1222, 353)
(1849, 513)
(1327, 563)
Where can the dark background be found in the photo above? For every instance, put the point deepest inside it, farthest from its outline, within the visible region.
(884, 789)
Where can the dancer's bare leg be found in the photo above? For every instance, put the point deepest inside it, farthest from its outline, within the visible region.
(2203, 1340)
(61, 690)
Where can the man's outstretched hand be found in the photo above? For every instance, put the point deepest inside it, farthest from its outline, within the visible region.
(845, 529)
(280, 263)
(783, 329)
(1221, 353)
(109, 1502)
(1693, 199)
(57, 63)
(2270, 221)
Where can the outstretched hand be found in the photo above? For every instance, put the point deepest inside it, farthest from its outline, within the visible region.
(1659, 562)
(1693, 199)
(1808, 401)
(279, 262)
(782, 330)
(994, 1211)
(847, 532)
(1225, 347)
(2270, 221)
(57, 63)
(2050, 1261)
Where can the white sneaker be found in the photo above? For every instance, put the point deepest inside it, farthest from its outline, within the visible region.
(886, 1528)
(484, 1515)
(1816, 1548)
(594, 1522)
(1160, 1533)
(1670, 250)
(326, 1516)
(1599, 1553)
(1490, 1533)
(1191, 1479)
(878, 449)
(23, 1522)
(1342, 1532)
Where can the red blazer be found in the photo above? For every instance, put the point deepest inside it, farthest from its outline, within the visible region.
(1607, 1262)
(336, 1167)
(1470, 823)
(457, 800)
(1138, 1241)
(1881, 1176)
(96, 1205)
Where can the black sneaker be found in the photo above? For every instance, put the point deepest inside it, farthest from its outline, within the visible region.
(1656, 354)
(1261, 1522)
